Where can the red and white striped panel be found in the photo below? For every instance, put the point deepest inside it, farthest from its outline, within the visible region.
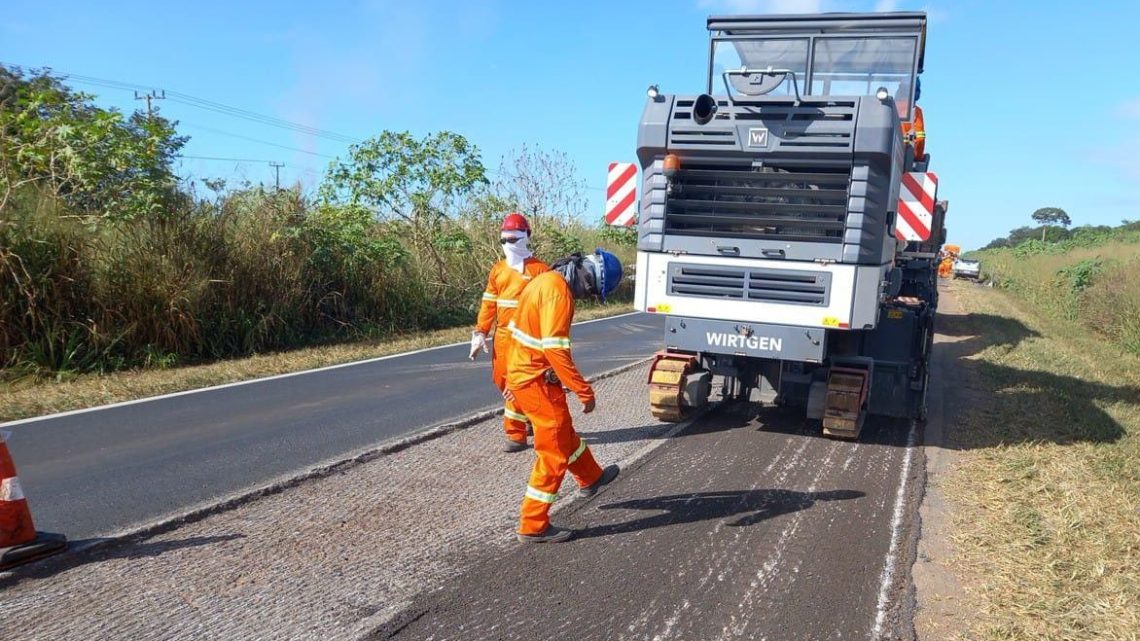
(916, 206)
(621, 194)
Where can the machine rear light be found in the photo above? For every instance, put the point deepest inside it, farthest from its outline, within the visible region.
(672, 164)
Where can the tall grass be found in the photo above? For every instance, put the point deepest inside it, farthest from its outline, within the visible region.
(250, 272)
(1098, 286)
(1045, 484)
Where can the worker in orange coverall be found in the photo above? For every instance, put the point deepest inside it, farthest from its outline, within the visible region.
(507, 279)
(539, 366)
(915, 127)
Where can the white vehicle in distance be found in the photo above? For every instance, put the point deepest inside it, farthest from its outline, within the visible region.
(966, 268)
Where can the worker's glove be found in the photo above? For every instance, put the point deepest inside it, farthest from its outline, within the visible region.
(588, 401)
(478, 342)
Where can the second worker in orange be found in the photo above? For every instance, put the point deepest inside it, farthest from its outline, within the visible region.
(504, 285)
(538, 367)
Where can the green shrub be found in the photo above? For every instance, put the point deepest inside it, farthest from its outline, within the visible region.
(1086, 279)
(1080, 275)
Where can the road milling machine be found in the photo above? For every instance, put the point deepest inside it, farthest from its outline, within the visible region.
(787, 228)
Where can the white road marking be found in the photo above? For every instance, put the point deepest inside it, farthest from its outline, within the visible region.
(211, 388)
(762, 580)
(890, 568)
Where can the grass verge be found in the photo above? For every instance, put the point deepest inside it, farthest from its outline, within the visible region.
(35, 397)
(1046, 490)
(1096, 286)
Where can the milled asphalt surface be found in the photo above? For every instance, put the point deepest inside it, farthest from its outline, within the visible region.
(332, 559)
(741, 528)
(97, 473)
(745, 524)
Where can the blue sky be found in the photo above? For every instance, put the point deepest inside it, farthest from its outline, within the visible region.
(1027, 104)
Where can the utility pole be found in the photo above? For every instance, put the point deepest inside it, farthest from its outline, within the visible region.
(149, 97)
(277, 173)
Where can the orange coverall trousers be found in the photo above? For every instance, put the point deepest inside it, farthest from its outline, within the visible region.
(558, 447)
(514, 419)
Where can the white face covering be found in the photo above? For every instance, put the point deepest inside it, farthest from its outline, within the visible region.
(516, 252)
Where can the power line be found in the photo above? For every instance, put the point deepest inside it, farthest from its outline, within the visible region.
(222, 159)
(204, 104)
(257, 140)
(271, 121)
(236, 112)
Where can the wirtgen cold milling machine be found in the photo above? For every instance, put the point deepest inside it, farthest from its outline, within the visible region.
(787, 229)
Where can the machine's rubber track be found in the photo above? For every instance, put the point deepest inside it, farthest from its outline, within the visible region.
(667, 380)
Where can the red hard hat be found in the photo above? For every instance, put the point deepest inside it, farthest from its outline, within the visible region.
(516, 222)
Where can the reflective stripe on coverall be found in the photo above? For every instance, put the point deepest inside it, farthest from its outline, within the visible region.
(504, 285)
(541, 330)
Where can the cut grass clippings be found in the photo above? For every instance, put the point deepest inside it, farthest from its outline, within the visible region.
(1046, 490)
(36, 397)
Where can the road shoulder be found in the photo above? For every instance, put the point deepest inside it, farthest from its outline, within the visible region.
(941, 610)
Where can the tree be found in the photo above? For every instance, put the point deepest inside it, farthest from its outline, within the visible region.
(98, 161)
(398, 177)
(997, 243)
(413, 184)
(1047, 216)
(544, 185)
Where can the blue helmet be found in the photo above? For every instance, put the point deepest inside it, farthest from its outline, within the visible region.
(607, 271)
(596, 274)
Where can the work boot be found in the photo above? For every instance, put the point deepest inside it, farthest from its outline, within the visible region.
(608, 474)
(514, 446)
(552, 534)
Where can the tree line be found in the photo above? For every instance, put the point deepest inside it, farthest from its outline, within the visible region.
(109, 260)
(1053, 226)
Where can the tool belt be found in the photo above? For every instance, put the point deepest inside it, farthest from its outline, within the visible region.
(551, 378)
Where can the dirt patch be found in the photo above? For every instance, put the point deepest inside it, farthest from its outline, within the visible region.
(943, 608)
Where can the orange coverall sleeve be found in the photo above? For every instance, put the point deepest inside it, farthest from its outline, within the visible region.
(919, 133)
(488, 307)
(554, 323)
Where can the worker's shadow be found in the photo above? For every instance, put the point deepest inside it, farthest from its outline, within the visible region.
(981, 396)
(748, 506)
(116, 550)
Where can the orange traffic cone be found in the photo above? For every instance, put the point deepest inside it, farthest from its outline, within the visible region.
(19, 541)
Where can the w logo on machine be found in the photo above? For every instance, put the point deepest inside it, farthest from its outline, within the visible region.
(916, 206)
(758, 137)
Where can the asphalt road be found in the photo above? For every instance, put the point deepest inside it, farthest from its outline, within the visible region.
(96, 473)
(742, 527)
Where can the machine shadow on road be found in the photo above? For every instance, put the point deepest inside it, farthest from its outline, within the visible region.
(1064, 409)
(127, 549)
(749, 506)
(790, 421)
(719, 420)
